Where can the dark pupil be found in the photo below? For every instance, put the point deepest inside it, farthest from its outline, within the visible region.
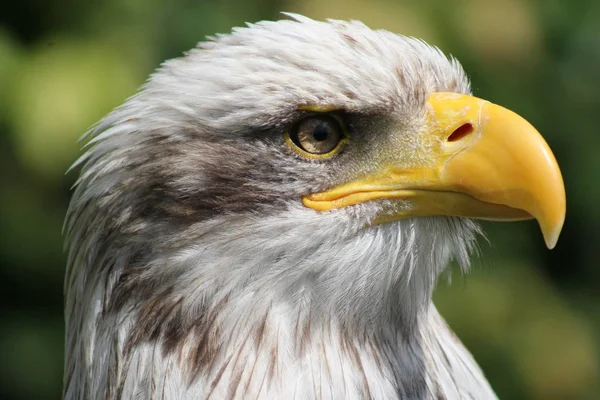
(320, 132)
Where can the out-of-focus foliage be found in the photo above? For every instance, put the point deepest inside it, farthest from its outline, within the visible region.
(531, 317)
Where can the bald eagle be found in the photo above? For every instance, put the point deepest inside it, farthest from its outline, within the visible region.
(268, 217)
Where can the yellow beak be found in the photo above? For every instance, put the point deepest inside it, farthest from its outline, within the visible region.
(485, 162)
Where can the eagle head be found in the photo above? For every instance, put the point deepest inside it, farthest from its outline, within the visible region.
(268, 217)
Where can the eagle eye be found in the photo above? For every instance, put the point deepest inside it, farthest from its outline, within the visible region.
(317, 136)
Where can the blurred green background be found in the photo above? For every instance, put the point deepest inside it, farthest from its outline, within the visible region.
(531, 317)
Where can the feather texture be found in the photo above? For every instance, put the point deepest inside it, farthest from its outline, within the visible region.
(195, 272)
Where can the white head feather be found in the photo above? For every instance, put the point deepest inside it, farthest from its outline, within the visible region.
(194, 270)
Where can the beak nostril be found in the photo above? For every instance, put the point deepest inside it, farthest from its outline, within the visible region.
(461, 132)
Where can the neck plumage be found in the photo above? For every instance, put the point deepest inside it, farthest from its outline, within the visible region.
(282, 353)
(339, 319)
